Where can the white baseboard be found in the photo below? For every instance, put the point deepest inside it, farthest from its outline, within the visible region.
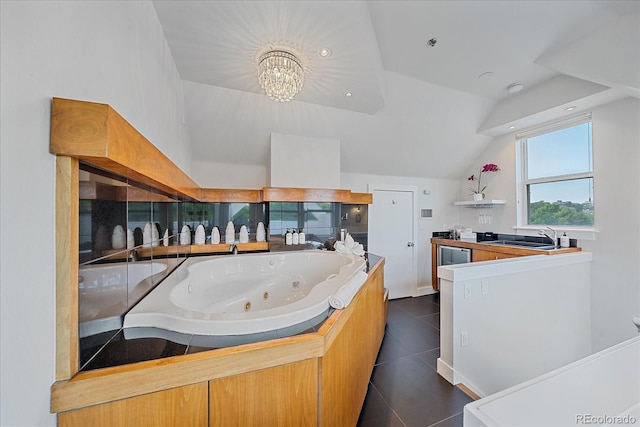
(445, 371)
(425, 290)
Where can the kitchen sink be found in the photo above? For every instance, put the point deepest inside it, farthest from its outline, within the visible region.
(521, 244)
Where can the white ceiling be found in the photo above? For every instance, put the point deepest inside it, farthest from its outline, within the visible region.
(378, 48)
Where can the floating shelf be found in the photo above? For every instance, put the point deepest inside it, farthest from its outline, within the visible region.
(479, 204)
(150, 252)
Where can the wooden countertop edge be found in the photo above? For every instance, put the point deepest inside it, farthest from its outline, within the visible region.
(501, 249)
(121, 382)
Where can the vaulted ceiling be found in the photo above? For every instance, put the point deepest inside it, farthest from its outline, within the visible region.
(412, 104)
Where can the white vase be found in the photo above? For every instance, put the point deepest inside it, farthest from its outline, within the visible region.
(185, 235)
(200, 236)
(215, 235)
(230, 233)
(477, 197)
(118, 238)
(261, 235)
(244, 235)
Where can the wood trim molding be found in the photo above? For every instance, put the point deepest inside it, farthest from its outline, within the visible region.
(96, 133)
(67, 256)
(221, 195)
(282, 194)
(361, 199)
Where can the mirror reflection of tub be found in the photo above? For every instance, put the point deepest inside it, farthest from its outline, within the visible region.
(107, 291)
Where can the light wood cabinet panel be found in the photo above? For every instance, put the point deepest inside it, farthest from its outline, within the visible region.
(67, 249)
(281, 396)
(347, 365)
(182, 406)
(478, 255)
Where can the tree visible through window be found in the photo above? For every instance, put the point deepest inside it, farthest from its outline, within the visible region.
(557, 174)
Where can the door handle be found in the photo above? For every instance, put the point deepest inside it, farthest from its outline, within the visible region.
(410, 244)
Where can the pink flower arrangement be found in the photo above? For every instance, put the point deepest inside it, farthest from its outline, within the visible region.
(489, 167)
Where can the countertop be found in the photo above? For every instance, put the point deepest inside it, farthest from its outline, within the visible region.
(511, 250)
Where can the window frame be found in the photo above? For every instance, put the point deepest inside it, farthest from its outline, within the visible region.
(522, 182)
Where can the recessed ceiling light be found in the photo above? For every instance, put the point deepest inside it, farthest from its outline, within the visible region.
(348, 94)
(486, 75)
(324, 52)
(515, 87)
(573, 107)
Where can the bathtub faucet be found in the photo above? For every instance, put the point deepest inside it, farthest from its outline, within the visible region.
(133, 255)
(554, 237)
(233, 249)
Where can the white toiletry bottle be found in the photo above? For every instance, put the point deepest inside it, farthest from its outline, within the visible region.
(302, 238)
(295, 237)
(564, 241)
(288, 238)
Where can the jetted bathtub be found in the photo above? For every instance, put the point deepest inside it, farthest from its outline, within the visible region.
(245, 294)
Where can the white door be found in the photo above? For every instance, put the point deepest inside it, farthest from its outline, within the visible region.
(391, 235)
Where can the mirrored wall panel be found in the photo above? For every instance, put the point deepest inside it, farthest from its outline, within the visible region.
(127, 245)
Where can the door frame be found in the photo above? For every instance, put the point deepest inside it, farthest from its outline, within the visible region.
(414, 229)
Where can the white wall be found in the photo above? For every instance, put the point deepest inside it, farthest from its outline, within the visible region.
(108, 52)
(616, 271)
(296, 160)
(507, 321)
(229, 175)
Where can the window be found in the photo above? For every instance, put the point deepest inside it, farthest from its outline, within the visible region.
(320, 221)
(556, 174)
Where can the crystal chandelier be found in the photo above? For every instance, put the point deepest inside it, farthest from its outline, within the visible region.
(280, 74)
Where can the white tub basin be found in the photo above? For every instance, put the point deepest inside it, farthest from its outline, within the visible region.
(245, 294)
(601, 389)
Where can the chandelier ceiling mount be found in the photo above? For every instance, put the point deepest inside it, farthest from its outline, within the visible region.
(280, 73)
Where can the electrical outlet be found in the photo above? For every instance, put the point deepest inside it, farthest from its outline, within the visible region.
(467, 290)
(484, 287)
(464, 338)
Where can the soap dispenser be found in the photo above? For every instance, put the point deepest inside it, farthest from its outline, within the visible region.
(295, 237)
(564, 241)
(302, 238)
(288, 238)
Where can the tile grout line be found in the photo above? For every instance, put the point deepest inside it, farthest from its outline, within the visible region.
(387, 403)
(445, 419)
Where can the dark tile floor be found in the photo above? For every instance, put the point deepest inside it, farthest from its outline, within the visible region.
(405, 389)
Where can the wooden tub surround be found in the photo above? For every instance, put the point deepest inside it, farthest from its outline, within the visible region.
(315, 379)
(312, 379)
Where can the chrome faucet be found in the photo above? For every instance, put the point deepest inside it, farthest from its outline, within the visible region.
(233, 249)
(553, 238)
(133, 255)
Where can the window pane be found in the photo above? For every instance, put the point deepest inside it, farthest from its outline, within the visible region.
(561, 203)
(561, 152)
